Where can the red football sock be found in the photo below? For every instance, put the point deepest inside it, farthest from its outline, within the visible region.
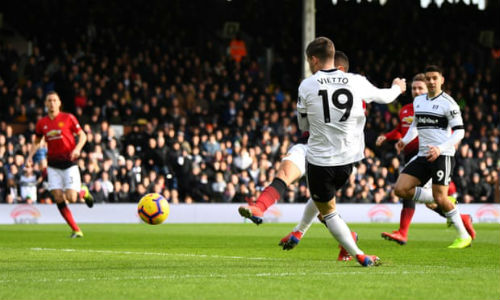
(268, 197)
(66, 213)
(405, 220)
(271, 194)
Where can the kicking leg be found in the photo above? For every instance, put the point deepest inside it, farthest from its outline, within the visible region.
(287, 173)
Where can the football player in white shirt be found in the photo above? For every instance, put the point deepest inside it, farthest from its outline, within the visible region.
(292, 168)
(406, 114)
(437, 115)
(330, 107)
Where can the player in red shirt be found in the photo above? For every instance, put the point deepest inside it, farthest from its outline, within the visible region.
(418, 87)
(58, 129)
(405, 117)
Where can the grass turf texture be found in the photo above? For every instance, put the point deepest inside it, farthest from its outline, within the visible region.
(241, 261)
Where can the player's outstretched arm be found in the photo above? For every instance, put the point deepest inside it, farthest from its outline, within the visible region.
(401, 83)
(370, 93)
(409, 136)
(392, 135)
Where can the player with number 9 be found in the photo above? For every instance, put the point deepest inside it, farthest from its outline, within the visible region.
(439, 126)
(406, 116)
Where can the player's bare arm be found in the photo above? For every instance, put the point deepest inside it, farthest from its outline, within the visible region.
(34, 148)
(400, 145)
(411, 134)
(82, 139)
(380, 140)
(433, 153)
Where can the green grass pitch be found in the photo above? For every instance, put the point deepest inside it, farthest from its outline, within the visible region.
(241, 261)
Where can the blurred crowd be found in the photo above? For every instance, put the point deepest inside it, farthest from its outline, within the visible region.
(198, 125)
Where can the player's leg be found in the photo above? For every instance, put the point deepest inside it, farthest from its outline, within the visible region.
(343, 254)
(310, 213)
(441, 172)
(86, 195)
(407, 211)
(293, 238)
(466, 218)
(292, 168)
(56, 185)
(323, 182)
(341, 232)
(405, 188)
(452, 213)
(74, 189)
(433, 205)
(288, 172)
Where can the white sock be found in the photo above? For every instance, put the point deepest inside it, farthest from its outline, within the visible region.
(310, 212)
(454, 216)
(341, 232)
(423, 195)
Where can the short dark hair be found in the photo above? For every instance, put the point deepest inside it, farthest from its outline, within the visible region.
(341, 59)
(419, 77)
(433, 68)
(322, 48)
(52, 93)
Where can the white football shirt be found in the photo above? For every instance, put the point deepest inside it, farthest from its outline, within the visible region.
(332, 101)
(435, 118)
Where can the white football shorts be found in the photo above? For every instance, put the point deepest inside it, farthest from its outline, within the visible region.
(297, 155)
(64, 179)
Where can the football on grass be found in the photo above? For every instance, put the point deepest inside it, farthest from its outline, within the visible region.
(153, 209)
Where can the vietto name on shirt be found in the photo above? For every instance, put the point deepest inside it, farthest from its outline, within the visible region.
(333, 80)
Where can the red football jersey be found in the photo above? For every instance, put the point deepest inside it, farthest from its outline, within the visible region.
(405, 119)
(59, 135)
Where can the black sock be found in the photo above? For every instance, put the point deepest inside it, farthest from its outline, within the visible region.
(439, 211)
(279, 185)
(408, 203)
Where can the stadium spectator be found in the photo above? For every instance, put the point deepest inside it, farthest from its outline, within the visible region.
(28, 182)
(98, 192)
(237, 48)
(479, 191)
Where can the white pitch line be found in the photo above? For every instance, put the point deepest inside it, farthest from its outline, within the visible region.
(153, 253)
(209, 275)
